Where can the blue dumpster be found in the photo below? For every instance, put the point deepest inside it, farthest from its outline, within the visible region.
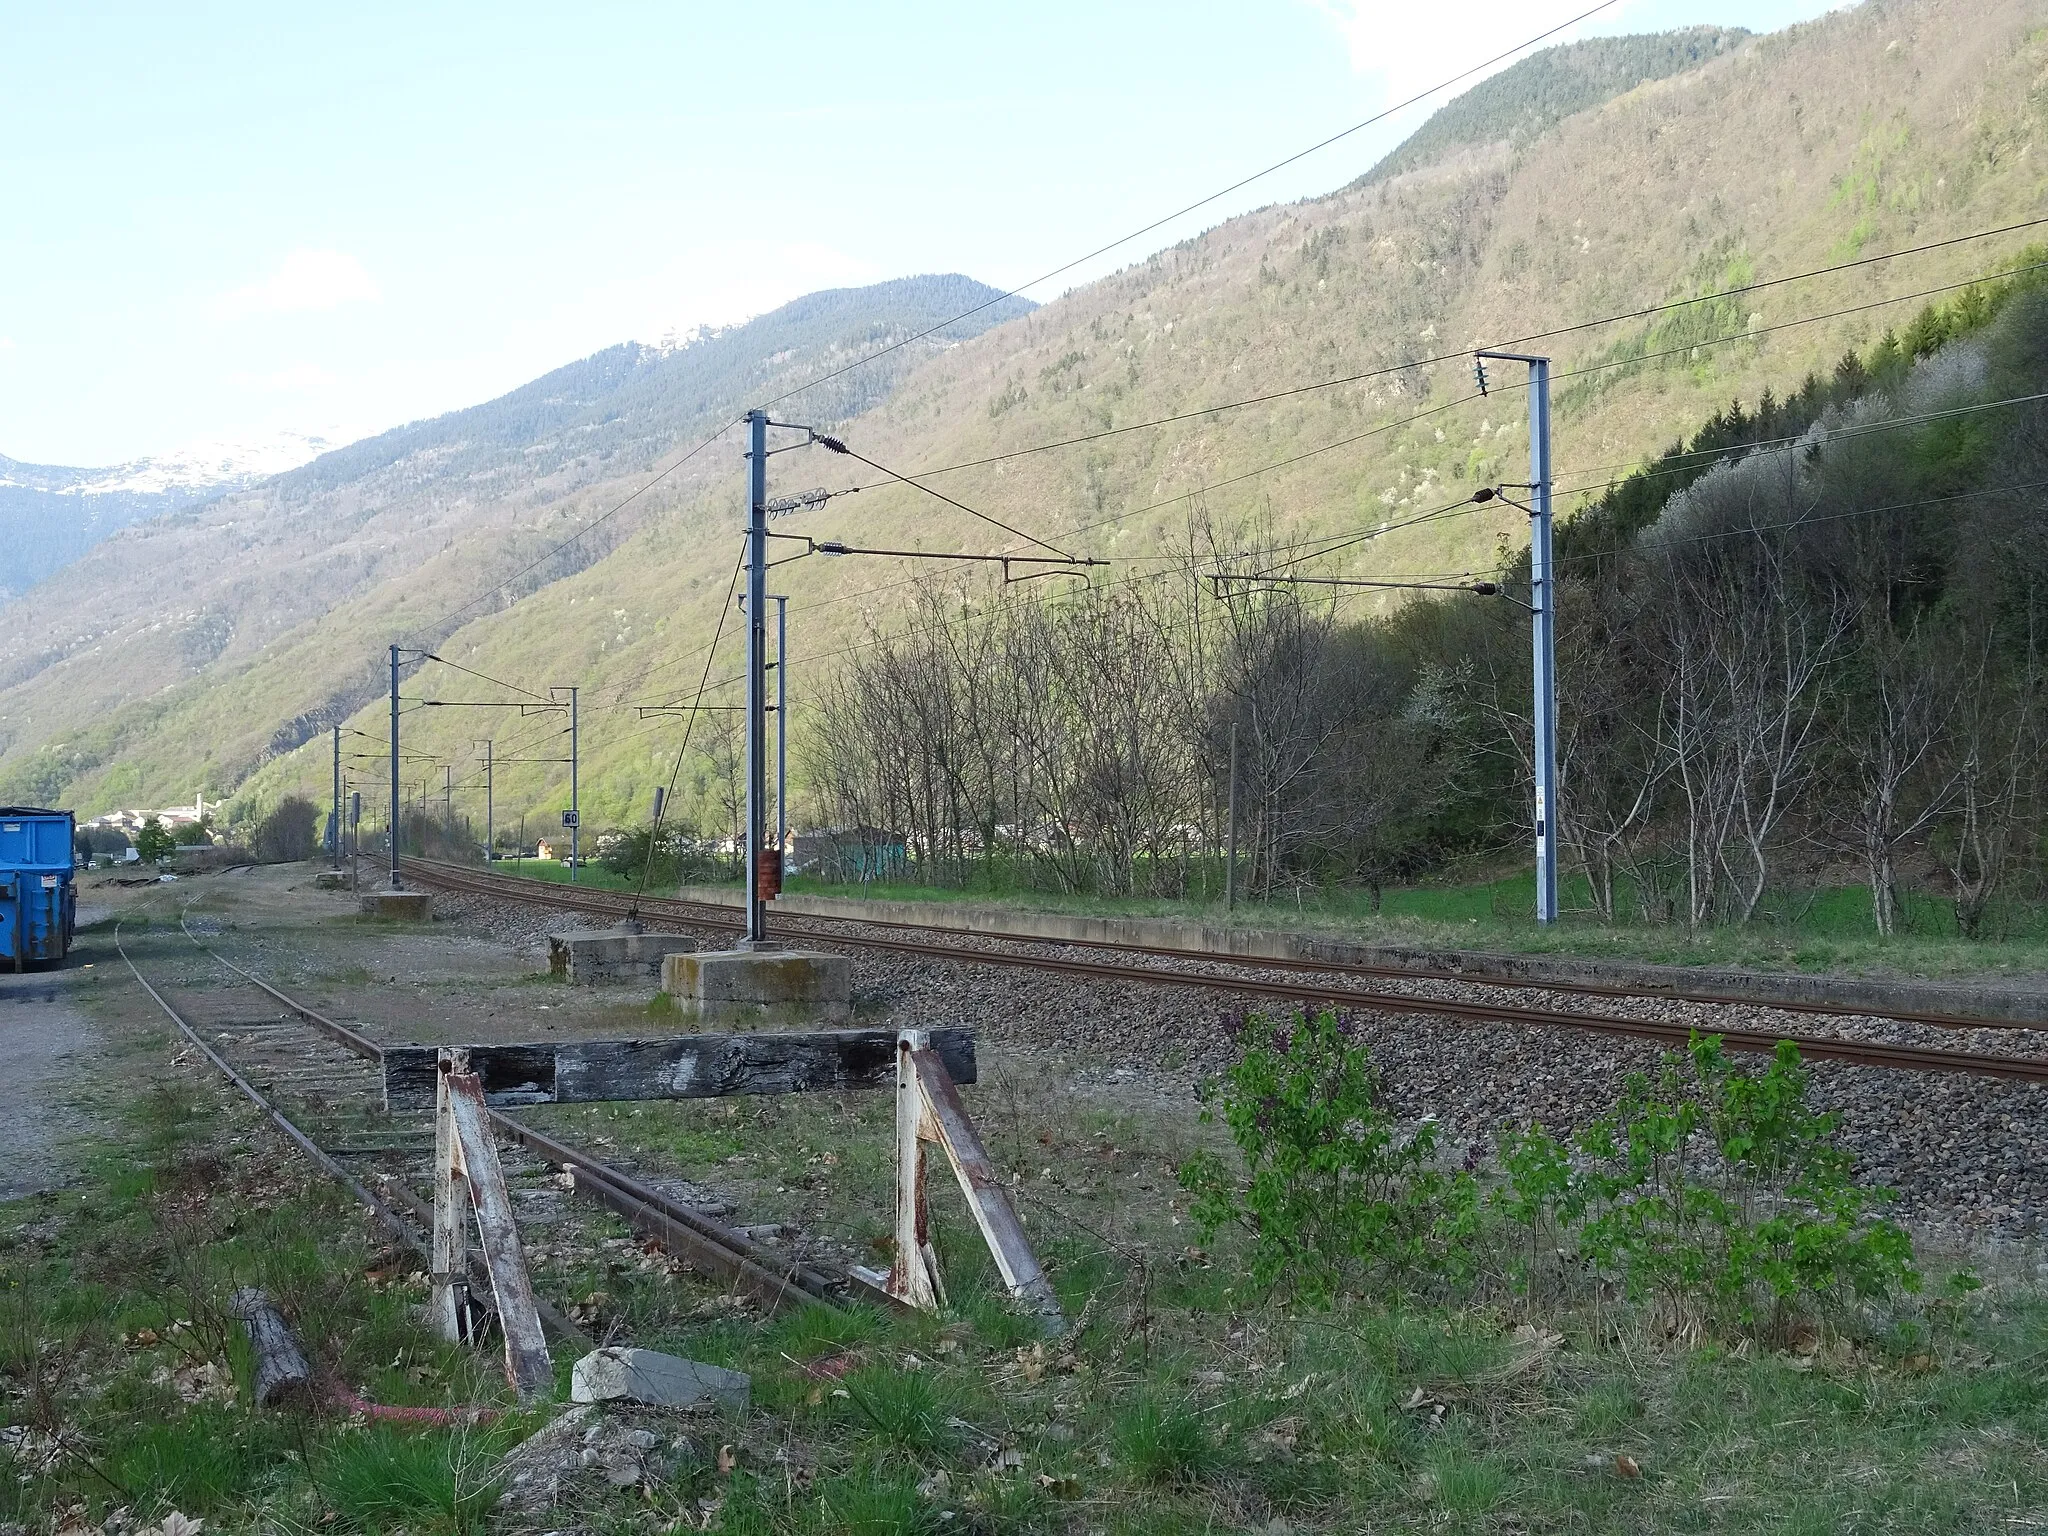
(38, 906)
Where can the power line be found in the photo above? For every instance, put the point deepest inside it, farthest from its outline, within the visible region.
(689, 730)
(576, 537)
(837, 446)
(1200, 203)
(649, 484)
(1504, 388)
(1793, 525)
(1461, 356)
(498, 681)
(1708, 457)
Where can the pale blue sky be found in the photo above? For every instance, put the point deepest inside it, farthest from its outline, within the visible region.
(227, 219)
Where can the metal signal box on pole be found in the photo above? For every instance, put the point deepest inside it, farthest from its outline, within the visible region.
(757, 656)
(1543, 612)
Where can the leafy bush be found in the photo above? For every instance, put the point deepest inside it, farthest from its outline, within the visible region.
(286, 835)
(1715, 1191)
(1336, 1193)
(680, 857)
(152, 842)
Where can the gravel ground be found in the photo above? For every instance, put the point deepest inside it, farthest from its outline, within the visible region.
(1967, 1156)
(51, 1050)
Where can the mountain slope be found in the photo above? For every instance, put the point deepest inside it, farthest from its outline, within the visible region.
(106, 652)
(1874, 129)
(51, 514)
(1521, 103)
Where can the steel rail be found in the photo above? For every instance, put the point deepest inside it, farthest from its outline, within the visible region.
(326, 1164)
(692, 1234)
(1815, 1047)
(822, 923)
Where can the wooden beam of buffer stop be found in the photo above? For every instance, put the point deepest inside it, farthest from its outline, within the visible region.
(928, 1109)
(926, 1068)
(468, 1179)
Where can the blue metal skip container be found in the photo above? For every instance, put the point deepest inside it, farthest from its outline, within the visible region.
(38, 904)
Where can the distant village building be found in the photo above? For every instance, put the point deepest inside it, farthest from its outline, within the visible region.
(170, 817)
(860, 854)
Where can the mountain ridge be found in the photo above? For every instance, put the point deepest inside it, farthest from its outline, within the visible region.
(145, 615)
(50, 514)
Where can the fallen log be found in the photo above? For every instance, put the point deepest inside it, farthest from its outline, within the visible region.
(281, 1371)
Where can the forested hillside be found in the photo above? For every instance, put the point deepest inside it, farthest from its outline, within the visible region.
(1808, 646)
(1371, 296)
(1518, 105)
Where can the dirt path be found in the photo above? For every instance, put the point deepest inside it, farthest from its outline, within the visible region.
(48, 1045)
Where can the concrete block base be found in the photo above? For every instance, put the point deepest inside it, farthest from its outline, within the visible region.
(331, 880)
(610, 955)
(647, 1376)
(749, 988)
(402, 906)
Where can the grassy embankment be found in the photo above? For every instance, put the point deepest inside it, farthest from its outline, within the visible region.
(1825, 930)
(1183, 1404)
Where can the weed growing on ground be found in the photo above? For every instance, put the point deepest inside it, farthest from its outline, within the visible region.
(1338, 1193)
(1712, 1190)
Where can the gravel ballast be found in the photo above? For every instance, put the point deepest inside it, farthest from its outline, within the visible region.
(1967, 1155)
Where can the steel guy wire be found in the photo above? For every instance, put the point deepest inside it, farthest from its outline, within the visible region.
(689, 728)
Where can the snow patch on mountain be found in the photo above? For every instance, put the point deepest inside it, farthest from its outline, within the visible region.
(217, 464)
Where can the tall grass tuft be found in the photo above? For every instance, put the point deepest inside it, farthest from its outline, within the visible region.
(1165, 1445)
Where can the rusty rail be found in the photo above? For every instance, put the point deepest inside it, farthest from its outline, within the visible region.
(688, 1233)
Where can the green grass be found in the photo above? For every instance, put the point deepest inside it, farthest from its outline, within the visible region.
(1180, 1402)
(1825, 929)
(388, 1479)
(1821, 930)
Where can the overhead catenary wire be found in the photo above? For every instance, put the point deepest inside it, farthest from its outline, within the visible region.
(1436, 410)
(1641, 312)
(486, 677)
(1746, 334)
(836, 446)
(442, 622)
(1196, 206)
(1464, 354)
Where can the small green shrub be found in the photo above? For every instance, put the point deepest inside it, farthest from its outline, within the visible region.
(1715, 1191)
(901, 1407)
(1336, 1194)
(871, 1501)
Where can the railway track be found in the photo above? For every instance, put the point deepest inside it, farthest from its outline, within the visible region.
(1344, 985)
(321, 1084)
